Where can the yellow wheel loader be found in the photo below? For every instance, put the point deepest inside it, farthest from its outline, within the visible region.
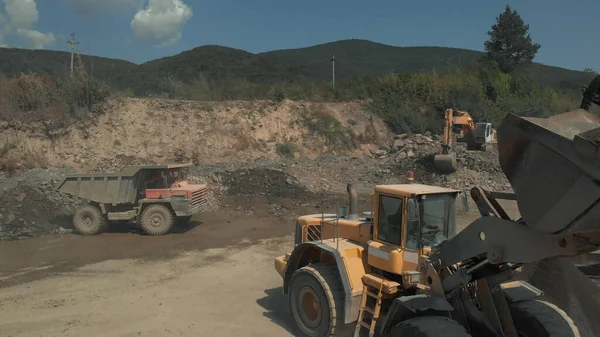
(403, 270)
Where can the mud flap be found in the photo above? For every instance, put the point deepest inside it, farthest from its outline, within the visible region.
(406, 307)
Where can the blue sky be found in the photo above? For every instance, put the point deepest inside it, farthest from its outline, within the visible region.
(108, 28)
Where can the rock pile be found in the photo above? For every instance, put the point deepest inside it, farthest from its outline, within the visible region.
(416, 151)
(26, 212)
(29, 205)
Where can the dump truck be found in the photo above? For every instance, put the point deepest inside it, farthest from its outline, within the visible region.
(460, 125)
(154, 196)
(403, 269)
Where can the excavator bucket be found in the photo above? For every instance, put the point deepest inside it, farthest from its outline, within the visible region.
(553, 166)
(445, 163)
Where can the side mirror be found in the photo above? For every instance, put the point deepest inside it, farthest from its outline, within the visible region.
(413, 210)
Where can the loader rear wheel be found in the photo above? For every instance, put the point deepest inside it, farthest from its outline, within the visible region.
(316, 305)
(89, 220)
(541, 319)
(157, 219)
(429, 326)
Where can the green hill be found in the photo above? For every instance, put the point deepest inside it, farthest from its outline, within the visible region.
(353, 58)
(15, 61)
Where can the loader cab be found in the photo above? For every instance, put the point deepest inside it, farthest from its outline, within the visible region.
(409, 220)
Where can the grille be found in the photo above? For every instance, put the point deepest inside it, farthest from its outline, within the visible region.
(313, 233)
(199, 197)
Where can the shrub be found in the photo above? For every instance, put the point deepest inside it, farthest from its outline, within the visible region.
(286, 150)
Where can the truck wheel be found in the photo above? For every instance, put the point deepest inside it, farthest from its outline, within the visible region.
(89, 220)
(429, 326)
(157, 219)
(541, 319)
(315, 300)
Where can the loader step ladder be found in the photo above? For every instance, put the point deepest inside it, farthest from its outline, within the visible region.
(374, 311)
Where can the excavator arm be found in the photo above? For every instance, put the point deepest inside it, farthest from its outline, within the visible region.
(446, 161)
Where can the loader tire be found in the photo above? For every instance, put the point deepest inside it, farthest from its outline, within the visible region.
(429, 326)
(542, 319)
(316, 300)
(157, 219)
(89, 220)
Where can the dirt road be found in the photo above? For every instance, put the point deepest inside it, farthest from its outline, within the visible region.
(215, 276)
(196, 293)
(211, 278)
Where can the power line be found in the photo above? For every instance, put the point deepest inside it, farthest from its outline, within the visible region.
(73, 43)
(333, 71)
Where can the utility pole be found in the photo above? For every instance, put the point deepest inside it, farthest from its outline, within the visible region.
(73, 43)
(333, 70)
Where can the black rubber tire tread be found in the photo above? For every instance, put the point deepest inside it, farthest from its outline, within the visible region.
(429, 326)
(166, 214)
(328, 277)
(546, 318)
(99, 224)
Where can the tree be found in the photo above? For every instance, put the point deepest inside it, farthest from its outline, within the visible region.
(510, 43)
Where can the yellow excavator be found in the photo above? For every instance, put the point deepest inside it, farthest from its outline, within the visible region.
(403, 269)
(460, 125)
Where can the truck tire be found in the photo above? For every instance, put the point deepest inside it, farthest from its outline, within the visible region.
(89, 220)
(316, 300)
(156, 219)
(536, 318)
(429, 326)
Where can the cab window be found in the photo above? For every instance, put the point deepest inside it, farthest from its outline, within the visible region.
(437, 218)
(389, 226)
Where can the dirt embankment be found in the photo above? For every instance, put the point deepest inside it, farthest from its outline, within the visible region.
(144, 130)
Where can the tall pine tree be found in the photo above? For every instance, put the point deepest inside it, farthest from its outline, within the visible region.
(510, 43)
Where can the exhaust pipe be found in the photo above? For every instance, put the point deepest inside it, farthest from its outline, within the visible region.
(353, 199)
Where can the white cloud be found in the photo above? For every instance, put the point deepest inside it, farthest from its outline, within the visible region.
(160, 23)
(35, 38)
(97, 7)
(22, 15)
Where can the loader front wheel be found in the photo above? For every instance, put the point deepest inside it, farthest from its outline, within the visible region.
(316, 300)
(429, 326)
(157, 219)
(541, 319)
(89, 220)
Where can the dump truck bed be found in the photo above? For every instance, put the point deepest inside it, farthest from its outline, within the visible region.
(112, 187)
(553, 166)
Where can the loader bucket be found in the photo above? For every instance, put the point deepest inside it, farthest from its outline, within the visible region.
(553, 166)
